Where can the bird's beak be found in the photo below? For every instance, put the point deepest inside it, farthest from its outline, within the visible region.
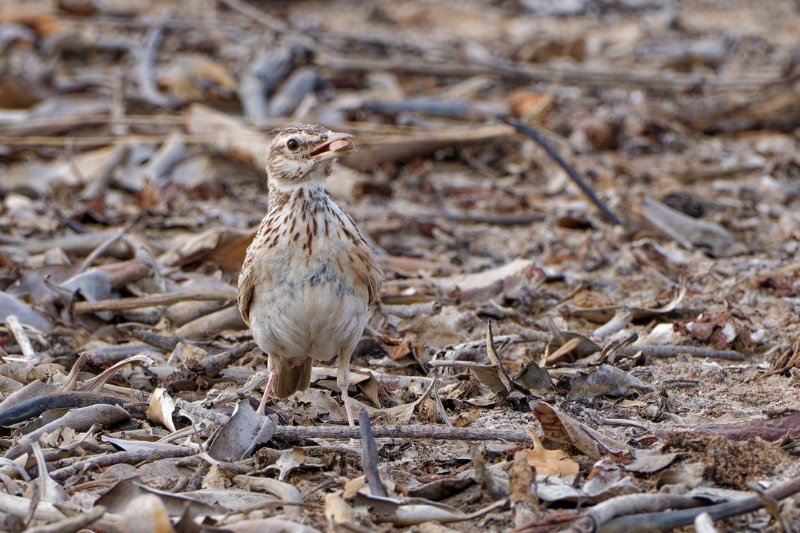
(337, 144)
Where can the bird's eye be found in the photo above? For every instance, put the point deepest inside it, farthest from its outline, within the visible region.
(293, 144)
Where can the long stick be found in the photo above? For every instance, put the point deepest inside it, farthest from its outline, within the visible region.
(652, 350)
(555, 156)
(647, 522)
(121, 304)
(403, 432)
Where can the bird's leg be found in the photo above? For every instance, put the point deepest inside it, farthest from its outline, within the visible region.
(342, 379)
(347, 408)
(267, 391)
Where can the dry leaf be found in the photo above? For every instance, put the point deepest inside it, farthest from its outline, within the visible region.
(567, 433)
(492, 283)
(147, 514)
(337, 511)
(549, 462)
(605, 380)
(161, 408)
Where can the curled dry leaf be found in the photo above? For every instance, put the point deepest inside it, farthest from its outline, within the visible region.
(648, 462)
(226, 247)
(605, 380)
(605, 481)
(337, 510)
(279, 489)
(161, 408)
(549, 462)
(690, 232)
(241, 434)
(147, 514)
(294, 459)
(10, 305)
(567, 346)
(567, 433)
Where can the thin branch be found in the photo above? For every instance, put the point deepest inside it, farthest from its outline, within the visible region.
(100, 250)
(569, 74)
(148, 90)
(555, 156)
(122, 304)
(652, 522)
(265, 19)
(24, 342)
(658, 350)
(133, 457)
(404, 432)
(57, 400)
(651, 350)
(73, 523)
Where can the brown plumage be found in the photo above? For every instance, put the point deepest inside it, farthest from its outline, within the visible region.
(309, 276)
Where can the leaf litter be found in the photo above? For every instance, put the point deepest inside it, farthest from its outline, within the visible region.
(588, 229)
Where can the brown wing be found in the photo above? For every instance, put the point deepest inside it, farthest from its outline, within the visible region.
(365, 264)
(248, 278)
(365, 268)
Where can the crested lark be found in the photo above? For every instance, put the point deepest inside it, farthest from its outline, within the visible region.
(309, 276)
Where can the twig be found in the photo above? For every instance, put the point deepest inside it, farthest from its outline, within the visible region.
(60, 400)
(121, 304)
(214, 364)
(101, 249)
(164, 342)
(657, 350)
(468, 347)
(202, 412)
(652, 350)
(601, 75)
(147, 57)
(459, 364)
(16, 328)
(172, 152)
(97, 382)
(520, 219)
(72, 524)
(439, 405)
(369, 455)
(404, 432)
(652, 522)
(77, 419)
(73, 244)
(131, 457)
(555, 156)
(266, 20)
(635, 503)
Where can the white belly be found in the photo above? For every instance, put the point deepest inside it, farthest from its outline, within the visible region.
(297, 320)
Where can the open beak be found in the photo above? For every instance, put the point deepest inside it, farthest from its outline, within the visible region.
(338, 144)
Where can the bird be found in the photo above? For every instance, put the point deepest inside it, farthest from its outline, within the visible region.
(309, 278)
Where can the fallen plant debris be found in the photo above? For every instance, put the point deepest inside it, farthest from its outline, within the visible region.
(586, 214)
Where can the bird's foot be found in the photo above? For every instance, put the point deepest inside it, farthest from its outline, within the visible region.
(267, 391)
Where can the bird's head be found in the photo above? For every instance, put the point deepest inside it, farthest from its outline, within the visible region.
(301, 152)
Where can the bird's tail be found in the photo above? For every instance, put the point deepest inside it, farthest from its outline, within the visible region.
(290, 377)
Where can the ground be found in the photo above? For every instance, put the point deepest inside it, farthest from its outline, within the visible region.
(132, 149)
